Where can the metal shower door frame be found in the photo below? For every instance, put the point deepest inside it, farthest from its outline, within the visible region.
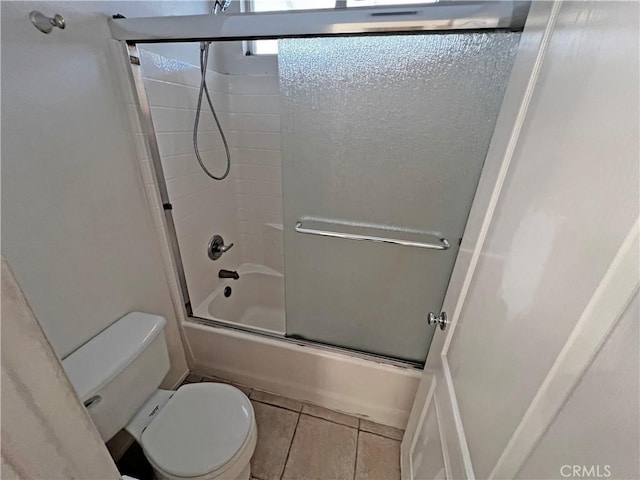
(458, 15)
(442, 17)
(144, 110)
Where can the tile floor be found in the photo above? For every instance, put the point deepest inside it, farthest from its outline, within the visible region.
(298, 441)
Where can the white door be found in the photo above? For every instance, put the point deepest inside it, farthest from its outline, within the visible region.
(542, 304)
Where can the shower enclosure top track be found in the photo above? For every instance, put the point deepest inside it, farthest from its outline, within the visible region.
(438, 17)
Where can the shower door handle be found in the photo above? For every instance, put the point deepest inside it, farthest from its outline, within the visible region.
(441, 244)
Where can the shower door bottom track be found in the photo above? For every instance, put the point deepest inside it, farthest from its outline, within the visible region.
(371, 357)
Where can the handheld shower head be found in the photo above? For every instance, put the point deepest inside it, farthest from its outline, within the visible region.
(222, 5)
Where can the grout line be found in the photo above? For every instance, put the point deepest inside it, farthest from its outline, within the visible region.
(191, 153)
(355, 466)
(247, 148)
(249, 114)
(213, 130)
(257, 195)
(271, 404)
(168, 82)
(381, 436)
(251, 180)
(378, 434)
(219, 91)
(286, 460)
(327, 420)
(186, 108)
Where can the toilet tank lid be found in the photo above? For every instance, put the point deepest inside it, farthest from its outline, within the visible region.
(106, 355)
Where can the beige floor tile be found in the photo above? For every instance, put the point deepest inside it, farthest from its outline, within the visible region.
(330, 415)
(378, 458)
(275, 431)
(277, 400)
(390, 432)
(321, 450)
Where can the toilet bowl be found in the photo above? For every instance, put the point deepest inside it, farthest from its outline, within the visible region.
(201, 431)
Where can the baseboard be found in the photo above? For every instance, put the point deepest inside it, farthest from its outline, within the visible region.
(368, 389)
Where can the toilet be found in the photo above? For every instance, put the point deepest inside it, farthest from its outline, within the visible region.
(201, 431)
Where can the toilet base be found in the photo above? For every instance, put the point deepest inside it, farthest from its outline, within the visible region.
(246, 473)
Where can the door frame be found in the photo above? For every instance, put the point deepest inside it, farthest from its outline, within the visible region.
(437, 385)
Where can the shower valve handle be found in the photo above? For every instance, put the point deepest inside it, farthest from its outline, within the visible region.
(216, 247)
(224, 248)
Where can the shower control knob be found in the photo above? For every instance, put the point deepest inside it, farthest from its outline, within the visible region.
(45, 24)
(216, 247)
(441, 320)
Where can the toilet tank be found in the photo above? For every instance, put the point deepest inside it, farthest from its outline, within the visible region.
(116, 371)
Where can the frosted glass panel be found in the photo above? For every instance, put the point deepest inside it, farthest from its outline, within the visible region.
(389, 132)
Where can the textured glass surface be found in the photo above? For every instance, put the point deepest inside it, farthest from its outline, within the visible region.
(389, 131)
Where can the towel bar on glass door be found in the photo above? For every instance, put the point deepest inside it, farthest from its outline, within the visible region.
(443, 243)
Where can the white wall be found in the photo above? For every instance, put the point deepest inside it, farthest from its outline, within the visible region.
(246, 207)
(46, 432)
(75, 223)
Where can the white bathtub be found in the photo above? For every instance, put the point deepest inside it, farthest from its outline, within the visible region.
(256, 300)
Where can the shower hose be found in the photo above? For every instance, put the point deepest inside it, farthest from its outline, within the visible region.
(204, 58)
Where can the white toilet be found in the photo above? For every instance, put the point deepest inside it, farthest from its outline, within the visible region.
(200, 432)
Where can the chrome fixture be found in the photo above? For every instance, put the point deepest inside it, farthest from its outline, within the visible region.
(445, 15)
(216, 247)
(222, 6)
(204, 89)
(228, 274)
(45, 24)
(443, 243)
(432, 319)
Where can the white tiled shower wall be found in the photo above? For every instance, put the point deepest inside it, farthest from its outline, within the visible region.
(245, 208)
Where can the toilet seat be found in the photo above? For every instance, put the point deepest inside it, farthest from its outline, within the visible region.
(202, 431)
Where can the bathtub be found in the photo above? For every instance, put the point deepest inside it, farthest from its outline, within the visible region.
(256, 300)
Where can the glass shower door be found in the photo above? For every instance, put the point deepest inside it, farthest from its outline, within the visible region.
(382, 137)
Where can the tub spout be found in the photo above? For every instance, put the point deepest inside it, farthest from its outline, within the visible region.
(228, 274)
